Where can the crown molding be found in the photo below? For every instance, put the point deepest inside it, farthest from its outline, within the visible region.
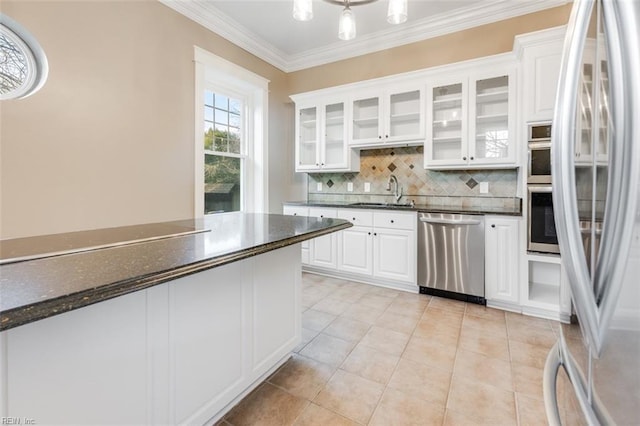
(214, 20)
(485, 12)
(535, 38)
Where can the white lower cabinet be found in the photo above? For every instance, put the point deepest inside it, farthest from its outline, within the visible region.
(355, 253)
(501, 260)
(380, 247)
(394, 254)
(323, 251)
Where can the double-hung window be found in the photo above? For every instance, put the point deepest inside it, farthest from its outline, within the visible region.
(225, 152)
(231, 170)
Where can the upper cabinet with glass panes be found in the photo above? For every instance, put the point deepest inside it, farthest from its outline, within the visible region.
(321, 136)
(593, 122)
(388, 115)
(470, 121)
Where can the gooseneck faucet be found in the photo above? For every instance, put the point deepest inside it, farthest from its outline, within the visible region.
(397, 188)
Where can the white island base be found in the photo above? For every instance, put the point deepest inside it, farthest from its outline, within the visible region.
(182, 352)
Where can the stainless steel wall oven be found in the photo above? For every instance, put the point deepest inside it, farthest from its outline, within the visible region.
(541, 229)
(539, 158)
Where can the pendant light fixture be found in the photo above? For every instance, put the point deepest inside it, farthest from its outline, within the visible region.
(347, 27)
(396, 14)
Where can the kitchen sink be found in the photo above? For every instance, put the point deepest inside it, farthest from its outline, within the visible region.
(367, 204)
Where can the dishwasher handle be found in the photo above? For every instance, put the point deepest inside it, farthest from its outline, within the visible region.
(450, 221)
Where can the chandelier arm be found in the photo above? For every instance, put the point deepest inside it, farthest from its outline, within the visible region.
(350, 2)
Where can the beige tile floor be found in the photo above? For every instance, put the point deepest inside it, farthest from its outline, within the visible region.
(376, 356)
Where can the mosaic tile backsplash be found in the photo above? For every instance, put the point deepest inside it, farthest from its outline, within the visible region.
(423, 186)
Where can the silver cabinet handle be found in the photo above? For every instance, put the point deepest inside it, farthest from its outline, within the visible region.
(563, 171)
(450, 221)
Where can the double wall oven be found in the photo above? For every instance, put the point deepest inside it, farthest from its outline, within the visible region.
(541, 229)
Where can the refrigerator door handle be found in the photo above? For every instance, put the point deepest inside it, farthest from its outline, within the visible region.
(621, 25)
(563, 172)
(593, 411)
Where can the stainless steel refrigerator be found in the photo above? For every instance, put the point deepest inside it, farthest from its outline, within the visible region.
(592, 374)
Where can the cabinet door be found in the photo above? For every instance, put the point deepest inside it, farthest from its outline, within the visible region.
(404, 115)
(366, 123)
(307, 139)
(394, 254)
(446, 139)
(323, 250)
(334, 137)
(491, 119)
(501, 259)
(541, 72)
(355, 251)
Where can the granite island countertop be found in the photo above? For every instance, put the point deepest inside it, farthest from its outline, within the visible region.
(49, 275)
(515, 210)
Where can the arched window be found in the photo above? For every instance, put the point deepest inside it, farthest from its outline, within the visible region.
(23, 64)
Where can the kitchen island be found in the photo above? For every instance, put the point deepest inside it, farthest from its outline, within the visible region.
(161, 329)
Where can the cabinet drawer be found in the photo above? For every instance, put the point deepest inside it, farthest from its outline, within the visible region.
(357, 217)
(295, 211)
(396, 220)
(324, 213)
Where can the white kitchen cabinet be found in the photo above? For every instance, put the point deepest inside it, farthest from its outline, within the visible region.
(321, 137)
(588, 95)
(381, 245)
(355, 245)
(387, 116)
(541, 69)
(471, 121)
(299, 211)
(501, 259)
(323, 251)
(394, 254)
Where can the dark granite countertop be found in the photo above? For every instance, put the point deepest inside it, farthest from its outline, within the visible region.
(418, 207)
(35, 289)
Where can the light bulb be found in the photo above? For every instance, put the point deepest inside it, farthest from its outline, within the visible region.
(347, 29)
(302, 10)
(397, 12)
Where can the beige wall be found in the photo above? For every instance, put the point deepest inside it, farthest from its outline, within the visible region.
(108, 141)
(473, 43)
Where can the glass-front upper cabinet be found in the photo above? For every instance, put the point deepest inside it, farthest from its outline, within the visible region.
(391, 116)
(492, 120)
(334, 147)
(470, 122)
(321, 137)
(308, 138)
(594, 89)
(447, 124)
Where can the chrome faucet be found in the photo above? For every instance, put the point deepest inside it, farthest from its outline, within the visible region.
(397, 189)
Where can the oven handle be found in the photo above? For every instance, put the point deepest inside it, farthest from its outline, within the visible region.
(539, 145)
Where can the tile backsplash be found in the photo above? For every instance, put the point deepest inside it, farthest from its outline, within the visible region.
(406, 163)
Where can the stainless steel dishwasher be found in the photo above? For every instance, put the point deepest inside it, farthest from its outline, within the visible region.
(451, 256)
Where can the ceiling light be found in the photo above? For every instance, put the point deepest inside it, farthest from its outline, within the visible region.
(347, 28)
(302, 10)
(396, 14)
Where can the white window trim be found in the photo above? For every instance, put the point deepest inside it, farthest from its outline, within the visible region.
(212, 71)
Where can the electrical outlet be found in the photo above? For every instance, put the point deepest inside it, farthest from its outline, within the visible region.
(367, 187)
(350, 186)
(319, 186)
(484, 187)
